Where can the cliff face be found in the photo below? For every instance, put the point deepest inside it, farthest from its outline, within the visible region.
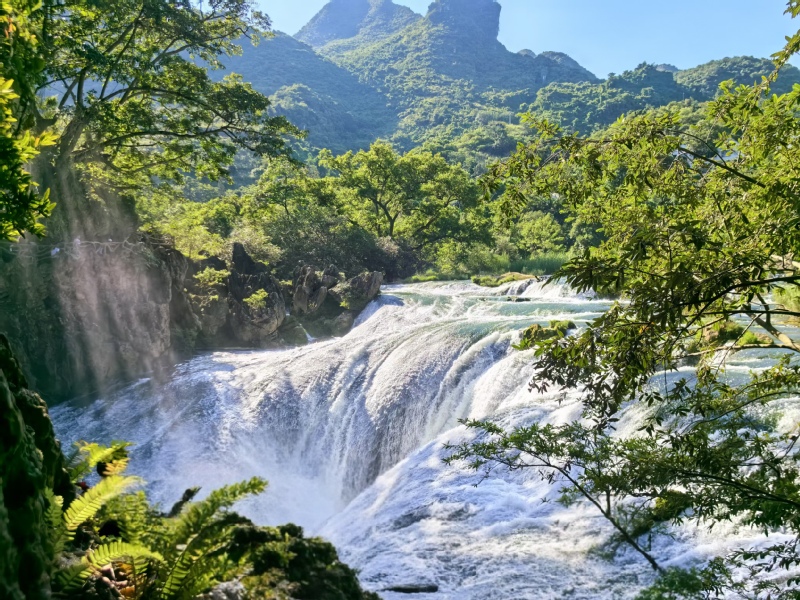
(88, 314)
(30, 463)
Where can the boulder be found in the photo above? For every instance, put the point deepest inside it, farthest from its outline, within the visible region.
(292, 332)
(330, 276)
(209, 301)
(255, 302)
(356, 293)
(231, 590)
(342, 324)
(310, 290)
(414, 588)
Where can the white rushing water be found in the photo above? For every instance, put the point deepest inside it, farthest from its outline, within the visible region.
(350, 434)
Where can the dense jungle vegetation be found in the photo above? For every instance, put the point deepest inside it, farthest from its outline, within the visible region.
(687, 208)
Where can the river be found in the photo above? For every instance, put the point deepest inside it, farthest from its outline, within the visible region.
(350, 434)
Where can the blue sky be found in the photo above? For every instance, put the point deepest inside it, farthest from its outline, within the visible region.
(613, 35)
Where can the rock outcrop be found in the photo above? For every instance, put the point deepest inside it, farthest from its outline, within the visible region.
(354, 294)
(95, 314)
(83, 314)
(255, 301)
(324, 304)
(310, 289)
(341, 20)
(31, 462)
(476, 17)
(89, 314)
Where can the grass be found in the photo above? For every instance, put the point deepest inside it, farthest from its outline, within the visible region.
(544, 264)
(433, 275)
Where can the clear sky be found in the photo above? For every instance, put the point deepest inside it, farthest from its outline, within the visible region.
(613, 35)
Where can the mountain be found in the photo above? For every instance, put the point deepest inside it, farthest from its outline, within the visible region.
(367, 69)
(705, 79)
(447, 73)
(588, 107)
(344, 23)
(314, 93)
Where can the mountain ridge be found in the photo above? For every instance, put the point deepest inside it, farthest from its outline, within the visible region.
(368, 69)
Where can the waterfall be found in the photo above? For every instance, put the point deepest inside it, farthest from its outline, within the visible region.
(350, 434)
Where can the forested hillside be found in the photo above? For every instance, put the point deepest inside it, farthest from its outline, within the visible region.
(445, 81)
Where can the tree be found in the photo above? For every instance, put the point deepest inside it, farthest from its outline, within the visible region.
(540, 232)
(134, 101)
(696, 240)
(416, 197)
(21, 64)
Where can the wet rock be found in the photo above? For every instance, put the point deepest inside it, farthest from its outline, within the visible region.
(414, 589)
(356, 293)
(292, 332)
(309, 290)
(30, 463)
(536, 333)
(342, 324)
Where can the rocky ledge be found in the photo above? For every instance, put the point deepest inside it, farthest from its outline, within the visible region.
(81, 320)
(325, 303)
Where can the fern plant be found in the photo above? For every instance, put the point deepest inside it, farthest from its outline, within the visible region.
(146, 554)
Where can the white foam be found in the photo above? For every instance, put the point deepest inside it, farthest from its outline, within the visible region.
(350, 433)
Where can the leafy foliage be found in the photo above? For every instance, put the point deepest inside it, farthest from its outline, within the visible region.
(22, 205)
(132, 105)
(700, 226)
(130, 548)
(376, 210)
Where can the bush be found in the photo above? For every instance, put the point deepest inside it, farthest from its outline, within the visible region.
(536, 333)
(543, 264)
(318, 236)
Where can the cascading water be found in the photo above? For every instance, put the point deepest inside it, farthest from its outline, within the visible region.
(350, 434)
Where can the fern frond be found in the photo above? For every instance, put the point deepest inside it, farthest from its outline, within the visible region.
(137, 521)
(86, 506)
(73, 578)
(89, 455)
(194, 570)
(54, 516)
(115, 467)
(207, 571)
(199, 514)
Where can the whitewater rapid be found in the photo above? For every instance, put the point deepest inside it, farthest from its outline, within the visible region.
(350, 433)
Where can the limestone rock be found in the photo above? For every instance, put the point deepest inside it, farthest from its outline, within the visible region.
(356, 293)
(30, 462)
(256, 305)
(343, 323)
(232, 590)
(310, 290)
(292, 332)
(330, 276)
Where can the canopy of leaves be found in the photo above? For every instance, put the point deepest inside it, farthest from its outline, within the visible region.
(133, 103)
(21, 64)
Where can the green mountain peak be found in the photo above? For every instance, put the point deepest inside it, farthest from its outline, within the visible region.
(367, 20)
(481, 17)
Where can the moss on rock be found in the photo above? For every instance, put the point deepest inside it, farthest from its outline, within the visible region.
(30, 463)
